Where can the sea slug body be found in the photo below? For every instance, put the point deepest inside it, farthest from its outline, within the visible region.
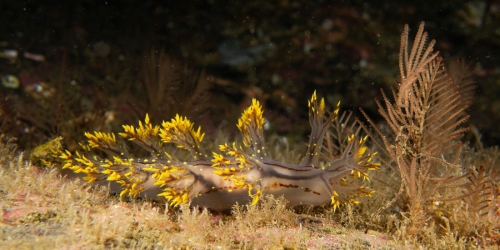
(237, 174)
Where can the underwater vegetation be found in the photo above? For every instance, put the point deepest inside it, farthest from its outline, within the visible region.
(422, 145)
(428, 190)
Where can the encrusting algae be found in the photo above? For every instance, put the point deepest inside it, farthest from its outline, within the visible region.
(237, 174)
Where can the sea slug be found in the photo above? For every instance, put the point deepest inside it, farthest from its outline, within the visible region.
(236, 174)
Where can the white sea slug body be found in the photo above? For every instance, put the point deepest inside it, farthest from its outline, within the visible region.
(237, 174)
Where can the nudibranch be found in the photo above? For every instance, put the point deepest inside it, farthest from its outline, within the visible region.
(237, 174)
